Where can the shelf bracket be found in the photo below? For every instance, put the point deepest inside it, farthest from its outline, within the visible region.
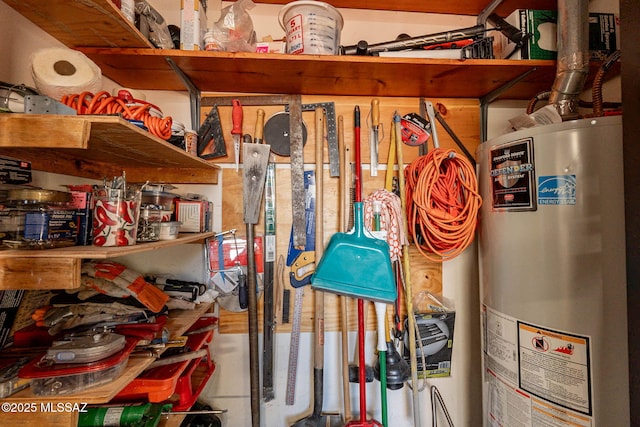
(484, 15)
(194, 94)
(492, 96)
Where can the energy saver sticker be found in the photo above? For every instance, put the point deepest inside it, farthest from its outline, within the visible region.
(513, 176)
(557, 190)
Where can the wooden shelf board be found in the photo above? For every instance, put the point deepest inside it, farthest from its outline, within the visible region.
(472, 7)
(99, 22)
(98, 252)
(82, 22)
(323, 75)
(93, 146)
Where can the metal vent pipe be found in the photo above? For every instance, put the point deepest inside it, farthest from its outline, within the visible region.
(573, 56)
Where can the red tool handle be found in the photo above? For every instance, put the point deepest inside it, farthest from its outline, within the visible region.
(236, 117)
(358, 171)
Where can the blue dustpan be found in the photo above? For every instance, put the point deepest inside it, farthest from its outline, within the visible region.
(356, 265)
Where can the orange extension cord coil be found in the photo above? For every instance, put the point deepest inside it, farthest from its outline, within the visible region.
(104, 103)
(442, 213)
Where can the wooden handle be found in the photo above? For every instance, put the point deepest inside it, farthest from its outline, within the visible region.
(259, 131)
(319, 249)
(375, 112)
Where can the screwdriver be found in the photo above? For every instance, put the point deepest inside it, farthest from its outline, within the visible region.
(375, 123)
(236, 132)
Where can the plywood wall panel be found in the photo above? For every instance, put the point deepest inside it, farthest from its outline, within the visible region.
(461, 115)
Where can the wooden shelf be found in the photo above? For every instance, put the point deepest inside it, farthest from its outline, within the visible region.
(99, 23)
(322, 75)
(98, 147)
(178, 323)
(81, 22)
(471, 7)
(60, 268)
(98, 28)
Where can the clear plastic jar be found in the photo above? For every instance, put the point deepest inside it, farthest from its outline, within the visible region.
(38, 219)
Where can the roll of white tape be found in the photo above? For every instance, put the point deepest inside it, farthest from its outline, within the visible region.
(61, 71)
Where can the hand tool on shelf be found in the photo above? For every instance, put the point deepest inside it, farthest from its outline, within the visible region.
(255, 160)
(375, 136)
(364, 48)
(236, 131)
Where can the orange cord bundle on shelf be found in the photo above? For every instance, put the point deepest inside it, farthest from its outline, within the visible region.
(104, 103)
(442, 213)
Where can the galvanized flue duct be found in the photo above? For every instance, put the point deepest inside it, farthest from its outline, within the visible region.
(573, 56)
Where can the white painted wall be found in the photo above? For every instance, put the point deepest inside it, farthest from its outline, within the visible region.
(229, 388)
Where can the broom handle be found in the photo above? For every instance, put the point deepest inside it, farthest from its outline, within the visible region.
(361, 361)
(344, 219)
(358, 174)
(407, 277)
(361, 325)
(319, 247)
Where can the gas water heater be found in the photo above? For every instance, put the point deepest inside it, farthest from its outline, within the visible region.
(552, 276)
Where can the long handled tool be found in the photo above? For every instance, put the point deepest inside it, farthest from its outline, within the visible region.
(269, 266)
(359, 265)
(317, 419)
(255, 159)
(407, 278)
(345, 197)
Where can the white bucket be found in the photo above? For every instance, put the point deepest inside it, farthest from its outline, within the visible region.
(312, 27)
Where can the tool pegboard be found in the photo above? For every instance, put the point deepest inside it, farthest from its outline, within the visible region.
(462, 115)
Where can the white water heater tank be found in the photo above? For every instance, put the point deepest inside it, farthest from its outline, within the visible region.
(552, 276)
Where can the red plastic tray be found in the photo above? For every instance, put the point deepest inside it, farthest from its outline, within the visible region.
(159, 384)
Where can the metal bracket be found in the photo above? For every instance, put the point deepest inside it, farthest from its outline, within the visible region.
(484, 15)
(492, 96)
(40, 104)
(194, 94)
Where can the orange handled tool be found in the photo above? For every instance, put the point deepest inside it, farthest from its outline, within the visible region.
(236, 131)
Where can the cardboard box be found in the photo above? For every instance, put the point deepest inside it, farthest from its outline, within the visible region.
(435, 342)
(603, 35)
(14, 171)
(193, 24)
(542, 25)
(82, 203)
(195, 215)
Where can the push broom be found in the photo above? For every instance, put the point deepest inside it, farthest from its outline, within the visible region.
(357, 265)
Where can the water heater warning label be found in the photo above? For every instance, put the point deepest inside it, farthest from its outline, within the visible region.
(513, 176)
(555, 366)
(535, 376)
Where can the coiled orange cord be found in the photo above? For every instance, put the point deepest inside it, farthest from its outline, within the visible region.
(103, 103)
(442, 217)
